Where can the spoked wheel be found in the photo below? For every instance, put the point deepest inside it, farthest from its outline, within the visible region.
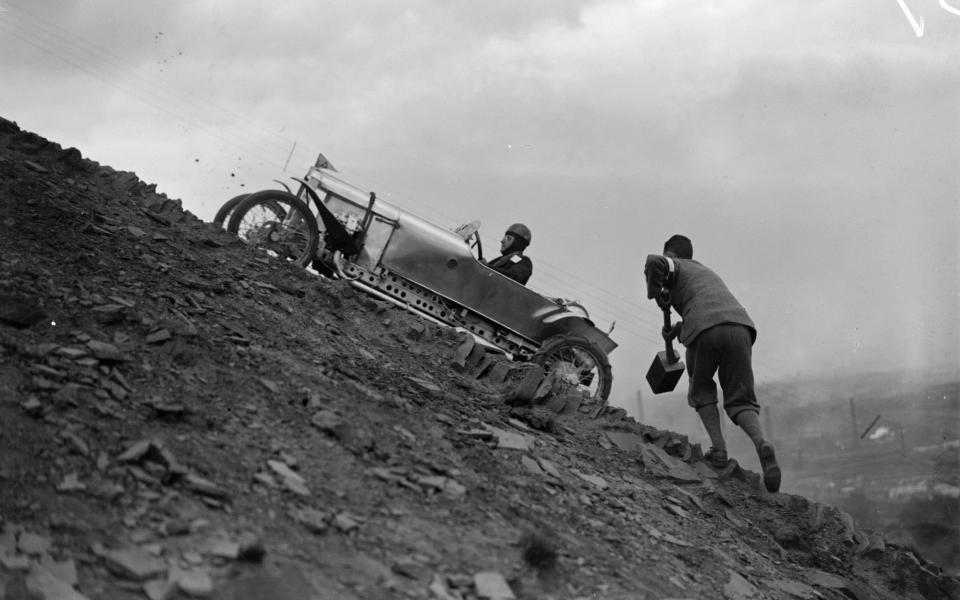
(224, 213)
(279, 223)
(577, 363)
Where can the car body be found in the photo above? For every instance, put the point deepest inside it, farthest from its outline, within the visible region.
(398, 256)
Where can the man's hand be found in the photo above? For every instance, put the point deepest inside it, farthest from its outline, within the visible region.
(669, 333)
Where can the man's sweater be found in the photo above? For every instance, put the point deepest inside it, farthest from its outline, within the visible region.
(698, 295)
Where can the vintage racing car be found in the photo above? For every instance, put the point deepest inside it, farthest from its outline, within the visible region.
(343, 231)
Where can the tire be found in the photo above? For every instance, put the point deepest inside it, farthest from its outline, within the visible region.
(279, 223)
(227, 208)
(575, 357)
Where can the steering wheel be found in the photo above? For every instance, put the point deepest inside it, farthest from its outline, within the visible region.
(471, 235)
(474, 242)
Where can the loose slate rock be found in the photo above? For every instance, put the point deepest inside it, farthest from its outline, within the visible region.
(160, 589)
(492, 586)
(135, 452)
(44, 584)
(794, 589)
(530, 383)
(826, 580)
(459, 361)
(345, 522)
(20, 312)
(738, 588)
(332, 424)
(32, 543)
(166, 408)
(195, 583)
(599, 482)
(159, 336)
(314, 520)
(225, 549)
(444, 484)
(8, 539)
(14, 562)
(511, 440)
(291, 480)
(425, 385)
(531, 465)
(135, 564)
(71, 483)
(625, 441)
(549, 467)
(280, 582)
(205, 487)
(659, 461)
(106, 351)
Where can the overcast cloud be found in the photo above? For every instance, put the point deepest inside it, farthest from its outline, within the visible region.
(810, 150)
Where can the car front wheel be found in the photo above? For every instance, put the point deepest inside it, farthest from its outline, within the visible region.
(579, 363)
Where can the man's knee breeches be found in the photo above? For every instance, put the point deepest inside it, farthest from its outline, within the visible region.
(725, 350)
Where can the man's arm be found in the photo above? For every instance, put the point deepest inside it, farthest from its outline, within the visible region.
(655, 271)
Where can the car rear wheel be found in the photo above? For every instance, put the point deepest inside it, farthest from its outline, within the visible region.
(224, 213)
(279, 223)
(575, 360)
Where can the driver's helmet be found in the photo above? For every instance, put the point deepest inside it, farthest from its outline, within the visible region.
(520, 231)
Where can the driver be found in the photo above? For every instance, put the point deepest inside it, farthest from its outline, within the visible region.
(511, 261)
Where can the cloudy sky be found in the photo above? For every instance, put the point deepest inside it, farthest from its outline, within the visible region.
(810, 149)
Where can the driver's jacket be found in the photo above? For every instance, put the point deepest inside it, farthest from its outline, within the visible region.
(514, 265)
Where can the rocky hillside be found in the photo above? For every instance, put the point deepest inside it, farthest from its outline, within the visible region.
(183, 417)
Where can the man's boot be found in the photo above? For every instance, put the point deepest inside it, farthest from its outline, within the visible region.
(749, 421)
(771, 470)
(717, 455)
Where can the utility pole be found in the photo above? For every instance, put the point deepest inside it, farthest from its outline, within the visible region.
(853, 419)
(640, 406)
(289, 156)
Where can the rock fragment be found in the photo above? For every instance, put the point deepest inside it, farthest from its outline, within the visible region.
(71, 483)
(511, 440)
(334, 425)
(314, 520)
(738, 588)
(346, 522)
(204, 486)
(44, 584)
(159, 336)
(291, 480)
(33, 544)
(443, 484)
(599, 482)
(134, 564)
(196, 583)
(21, 312)
(492, 586)
(160, 589)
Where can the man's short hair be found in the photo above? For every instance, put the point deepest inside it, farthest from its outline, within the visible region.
(679, 245)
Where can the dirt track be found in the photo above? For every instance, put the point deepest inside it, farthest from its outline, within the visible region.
(180, 416)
